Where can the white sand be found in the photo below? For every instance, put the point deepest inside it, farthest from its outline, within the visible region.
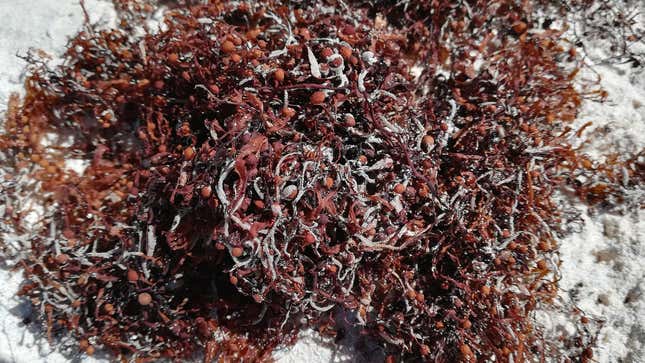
(603, 267)
(603, 264)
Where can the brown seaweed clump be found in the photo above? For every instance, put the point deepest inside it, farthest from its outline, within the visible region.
(254, 168)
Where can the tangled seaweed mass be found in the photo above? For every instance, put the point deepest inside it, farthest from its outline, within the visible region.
(250, 169)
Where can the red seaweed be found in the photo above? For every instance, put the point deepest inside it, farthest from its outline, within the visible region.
(256, 168)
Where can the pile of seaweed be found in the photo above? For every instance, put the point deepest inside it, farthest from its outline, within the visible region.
(250, 169)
